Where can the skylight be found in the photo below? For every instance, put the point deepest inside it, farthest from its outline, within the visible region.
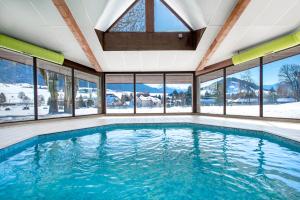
(133, 20)
(149, 25)
(165, 20)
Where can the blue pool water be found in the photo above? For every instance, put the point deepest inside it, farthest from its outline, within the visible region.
(158, 161)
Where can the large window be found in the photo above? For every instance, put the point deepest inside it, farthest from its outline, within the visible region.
(179, 93)
(242, 89)
(87, 98)
(281, 84)
(280, 89)
(119, 93)
(16, 87)
(149, 93)
(54, 90)
(211, 93)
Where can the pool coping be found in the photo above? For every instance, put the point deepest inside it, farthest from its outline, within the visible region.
(12, 134)
(13, 149)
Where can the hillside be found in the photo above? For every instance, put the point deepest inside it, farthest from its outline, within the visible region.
(233, 85)
(23, 74)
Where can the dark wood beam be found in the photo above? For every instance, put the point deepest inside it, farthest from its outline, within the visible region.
(228, 25)
(80, 67)
(215, 67)
(149, 16)
(66, 14)
(197, 34)
(133, 41)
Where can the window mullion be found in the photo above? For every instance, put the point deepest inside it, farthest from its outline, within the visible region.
(149, 16)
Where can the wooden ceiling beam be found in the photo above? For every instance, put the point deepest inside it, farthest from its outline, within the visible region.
(66, 14)
(215, 67)
(226, 28)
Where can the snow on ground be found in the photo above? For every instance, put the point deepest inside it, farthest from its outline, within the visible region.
(11, 92)
(17, 112)
(178, 109)
(288, 110)
(149, 110)
(86, 111)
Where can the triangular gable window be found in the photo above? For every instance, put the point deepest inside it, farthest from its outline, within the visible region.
(165, 20)
(134, 20)
(149, 25)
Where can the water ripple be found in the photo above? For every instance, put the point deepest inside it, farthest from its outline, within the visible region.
(182, 162)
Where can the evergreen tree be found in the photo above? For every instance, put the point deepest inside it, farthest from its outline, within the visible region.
(21, 95)
(188, 96)
(2, 98)
(81, 102)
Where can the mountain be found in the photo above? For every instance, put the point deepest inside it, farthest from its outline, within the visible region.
(233, 85)
(129, 87)
(20, 73)
(274, 86)
(236, 82)
(139, 87)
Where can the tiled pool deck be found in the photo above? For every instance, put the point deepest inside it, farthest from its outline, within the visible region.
(14, 133)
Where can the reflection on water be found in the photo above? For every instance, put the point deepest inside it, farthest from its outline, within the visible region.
(159, 162)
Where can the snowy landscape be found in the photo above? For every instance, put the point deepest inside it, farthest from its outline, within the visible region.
(17, 102)
(149, 98)
(281, 98)
(287, 110)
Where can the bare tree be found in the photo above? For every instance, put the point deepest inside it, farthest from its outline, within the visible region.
(68, 94)
(133, 20)
(290, 74)
(51, 80)
(247, 77)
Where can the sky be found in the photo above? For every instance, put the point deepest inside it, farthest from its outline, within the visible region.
(254, 72)
(165, 20)
(271, 70)
(174, 86)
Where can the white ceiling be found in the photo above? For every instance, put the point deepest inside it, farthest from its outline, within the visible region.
(38, 22)
(260, 22)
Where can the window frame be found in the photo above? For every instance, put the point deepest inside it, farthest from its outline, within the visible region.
(68, 64)
(32, 65)
(269, 58)
(149, 18)
(130, 41)
(250, 65)
(192, 90)
(223, 72)
(164, 93)
(104, 88)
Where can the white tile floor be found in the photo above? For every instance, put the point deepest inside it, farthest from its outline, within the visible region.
(14, 133)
